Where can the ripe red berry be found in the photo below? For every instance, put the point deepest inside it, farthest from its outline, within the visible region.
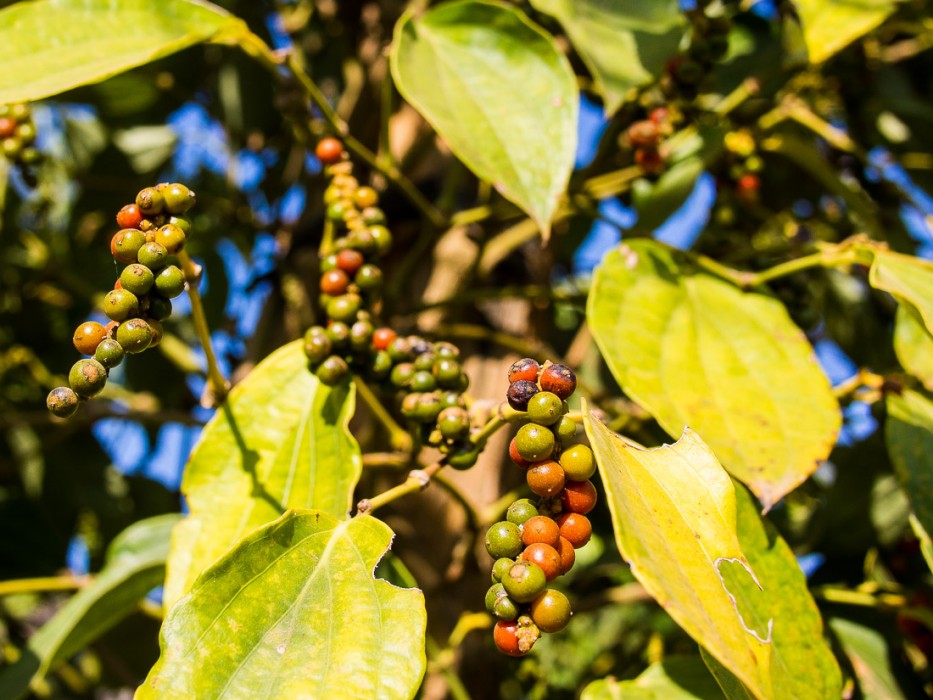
(505, 635)
(578, 496)
(520, 461)
(383, 337)
(660, 115)
(644, 134)
(567, 555)
(540, 528)
(349, 261)
(129, 216)
(88, 336)
(546, 557)
(526, 369)
(329, 151)
(334, 282)
(7, 127)
(575, 528)
(545, 478)
(558, 379)
(650, 160)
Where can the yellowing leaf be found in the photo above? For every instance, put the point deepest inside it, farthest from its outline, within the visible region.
(677, 519)
(913, 345)
(831, 25)
(293, 611)
(279, 442)
(50, 46)
(908, 278)
(497, 89)
(695, 350)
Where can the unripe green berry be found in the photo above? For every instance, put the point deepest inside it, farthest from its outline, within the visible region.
(521, 511)
(137, 279)
(400, 350)
(134, 335)
(380, 234)
(150, 201)
(402, 374)
(171, 237)
(120, 304)
(153, 255)
(159, 308)
(505, 608)
(445, 349)
(361, 335)
(87, 378)
(63, 402)
(182, 223)
(422, 381)
(545, 408)
(109, 353)
(504, 539)
(337, 211)
(534, 442)
(380, 365)
(577, 462)
(454, 423)
(178, 198)
(344, 308)
(464, 457)
(566, 428)
(427, 408)
(524, 581)
(368, 278)
(333, 371)
(373, 216)
(170, 282)
(125, 244)
(339, 334)
(447, 371)
(317, 346)
(496, 591)
(500, 569)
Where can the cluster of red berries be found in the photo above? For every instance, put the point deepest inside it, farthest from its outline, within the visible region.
(17, 134)
(644, 136)
(152, 232)
(428, 375)
(535, 543)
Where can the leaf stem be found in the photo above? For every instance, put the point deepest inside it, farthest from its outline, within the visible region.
(217, 386)
(398, 436)
(504, 415)
(68, 582)
(417, 480)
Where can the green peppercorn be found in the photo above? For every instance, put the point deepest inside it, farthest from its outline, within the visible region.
(170, 282)
(368, 278)
(400, 350)
(452, 398)
(506, 609)
(409, 407)
(422, 381)
(362, 240)
(333, 371)
(26, 133)
(496, 591)
(464, 456)
(566, 428)
(317, 346)
(449, 350)
(120, 304)
(62, 402)
(137, 279)
(328, 263)
(381, 236)
(504, 539)
(454, 423)
(402, 374)
(577, 462)
(126, 243)
(178, 198)
(380, 365)
(361, 335)
(447, 372)
(159, 308)
(520, 511)
(339, 334)
(545, 408)
(109, 353)
(337, 211)
(429, 406)
(87, 378)
(172, 237)
(344, 308)
(500, 569)
(373, 216)
(524, 581)
(150, 201)
(534, 442)
(134, 335)
(183, 223)
(153, 255)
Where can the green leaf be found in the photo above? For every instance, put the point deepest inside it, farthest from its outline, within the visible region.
(907, 278)
(674, 678)
(694, 350)
(926, 544)
(831, 25)
(50, 46)
(135, 565)
(293, 611)
(677, 518)
(909, 435)
(870, 657)
(280, 441)
(497, 89)
(913, 345)
(656, 201)
(624, 44)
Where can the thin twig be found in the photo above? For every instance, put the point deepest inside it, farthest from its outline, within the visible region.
(217, 386)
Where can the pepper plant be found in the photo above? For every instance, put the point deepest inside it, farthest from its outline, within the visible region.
(463, 349)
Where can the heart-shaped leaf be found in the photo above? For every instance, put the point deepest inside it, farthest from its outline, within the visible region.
(624, 44)
(831, 25)
(50, 46)
(293, 611)
(695, 350)
(497, 89)
(677, 518)
(135, 565)
(280, 441)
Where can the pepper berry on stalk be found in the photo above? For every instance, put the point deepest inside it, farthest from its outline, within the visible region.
(541, 532)
(152, 229)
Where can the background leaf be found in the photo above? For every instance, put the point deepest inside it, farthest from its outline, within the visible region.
(908, 278)
(870, 657)
(498, 90)
(50, 46)
(135, 565)
(694, 350)
(913, 344)
(624, 44)
(280, 441)
(831, 25)
(674, 678)
(294, 611)
(909, 434)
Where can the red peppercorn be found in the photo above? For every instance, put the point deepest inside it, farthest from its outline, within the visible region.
(526, 369)
(349, 261)
(129, 216)
(558, 379)
(383, 337)
(334, 282)
(329, 151)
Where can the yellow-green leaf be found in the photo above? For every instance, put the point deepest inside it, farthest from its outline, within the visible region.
(50, 46)
(624, 44)
(907, 278)
(913, 345)
(696, 351)
(280, 441)
(674, 678)
(498, 90)
(870, 656)
(293, 611)
(909, 435)
(677, 518)
(831, 25)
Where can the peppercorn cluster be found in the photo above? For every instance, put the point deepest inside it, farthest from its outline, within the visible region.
(535, 543)
(426, 377)
(707, 43)
(645, 137)
(17, 134)
(152, 233)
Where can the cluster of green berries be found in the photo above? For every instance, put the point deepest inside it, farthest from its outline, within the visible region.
(645, 136)
(708, 42)
(535, 543)
(428, 376)
(18, 134)
(152, 232)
